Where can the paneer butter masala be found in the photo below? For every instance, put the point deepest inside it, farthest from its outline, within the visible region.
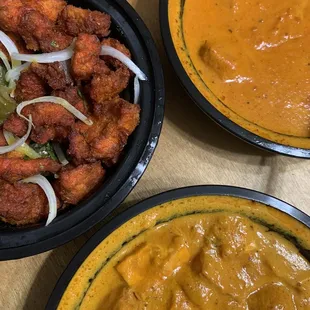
(215, 258)
(251, 60)
(63, 119)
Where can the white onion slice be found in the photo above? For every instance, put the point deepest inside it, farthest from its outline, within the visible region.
(5, 61)
(10, 46)
(110, 51)
(19, 142)
(25, 149)
(14, 74)
(64, 103)
(49, 192)
(60, 154)
(136, 90)
(63, 55)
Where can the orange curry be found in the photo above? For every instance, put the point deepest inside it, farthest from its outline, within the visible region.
(251, 60)
(217, 259)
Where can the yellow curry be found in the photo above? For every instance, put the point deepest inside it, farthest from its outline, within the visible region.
(197, 253)
(251, 60)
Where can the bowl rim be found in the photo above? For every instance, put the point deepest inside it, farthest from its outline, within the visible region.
(140, 164)
(207, 107)
(175, 194)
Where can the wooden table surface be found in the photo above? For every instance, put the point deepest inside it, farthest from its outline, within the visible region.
(192, 150)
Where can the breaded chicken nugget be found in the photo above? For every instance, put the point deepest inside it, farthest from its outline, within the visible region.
(11, 12)
(86, 56)
(49, 8)
(53, 74)
(13, 169)
(74, 184)
(113, 122)
(22, 203)
(73, 21)
(40, 33)
(29, 86)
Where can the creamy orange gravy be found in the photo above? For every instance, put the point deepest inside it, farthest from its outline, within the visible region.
(217, 259)
(254, 57)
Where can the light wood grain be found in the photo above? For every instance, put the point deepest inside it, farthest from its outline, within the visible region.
(192, 150)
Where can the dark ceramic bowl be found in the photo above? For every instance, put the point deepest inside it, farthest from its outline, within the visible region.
(187, 192)
(206, 106)
(130, 29)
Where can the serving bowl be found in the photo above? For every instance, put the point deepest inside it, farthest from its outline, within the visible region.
(207, 101)
(77, 279)
(130, 29)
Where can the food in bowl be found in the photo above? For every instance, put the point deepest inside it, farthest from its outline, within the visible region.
(64, 119)
(249, 59)
(208, 252)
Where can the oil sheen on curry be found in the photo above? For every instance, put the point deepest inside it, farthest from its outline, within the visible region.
(197, 253)
(251, 60)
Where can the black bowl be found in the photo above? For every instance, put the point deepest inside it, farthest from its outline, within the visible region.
(208, 190)
(130, 29)
(207, 107)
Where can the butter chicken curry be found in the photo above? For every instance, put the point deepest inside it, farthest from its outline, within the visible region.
(251, 60)
(220, 257)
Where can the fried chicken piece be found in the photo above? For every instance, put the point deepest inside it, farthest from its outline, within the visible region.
(53, 74)
(113, 122)
(10, 14)
(73, 96)
(46, 113)
(107, 83)
(49, 8)
(40, 33)
(74, 184)
(22, 203)
(14, 169)
(44, 134)
(74, 21)
(115, 63)
(108, 86)
(51, 121)
(16, 125)
(86, 56)
(29, 86)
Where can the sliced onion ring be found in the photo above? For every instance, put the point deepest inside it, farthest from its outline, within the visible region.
(64, 103)
(63, 55)
(19, 142)
(60, 154)
(49, 192)
(10, 47)
(24, 149)
(14, 74)
(5, 61)
(110, 51)
(136, 90)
